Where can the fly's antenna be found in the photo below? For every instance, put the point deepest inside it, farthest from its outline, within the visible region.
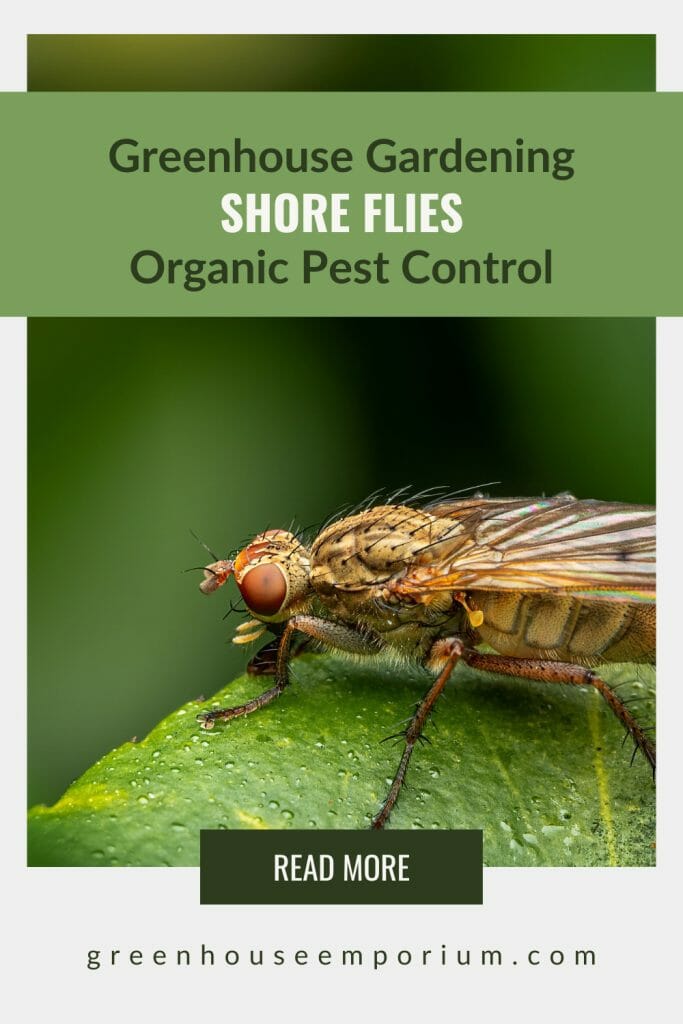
(205, 546)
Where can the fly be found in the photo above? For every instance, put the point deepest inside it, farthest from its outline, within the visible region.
(555, 586)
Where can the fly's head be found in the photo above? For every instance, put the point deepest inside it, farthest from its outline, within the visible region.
(273, 576)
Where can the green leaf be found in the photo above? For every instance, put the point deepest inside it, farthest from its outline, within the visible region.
(540, 768)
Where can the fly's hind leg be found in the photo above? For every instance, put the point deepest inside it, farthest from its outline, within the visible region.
(328, 631)
(572, 675)
(444, 654)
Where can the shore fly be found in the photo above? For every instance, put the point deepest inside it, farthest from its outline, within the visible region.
(555, 586)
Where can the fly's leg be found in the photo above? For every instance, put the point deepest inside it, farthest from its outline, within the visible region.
(333, 634)
(446, 653)
(264, 662)
(572, 675)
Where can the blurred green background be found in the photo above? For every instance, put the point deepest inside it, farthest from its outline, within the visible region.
(325, 62)
(142, 429)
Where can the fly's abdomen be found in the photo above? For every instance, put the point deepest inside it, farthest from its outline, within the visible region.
(566, 628)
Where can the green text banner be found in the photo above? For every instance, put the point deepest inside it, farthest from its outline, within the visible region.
(440, 204)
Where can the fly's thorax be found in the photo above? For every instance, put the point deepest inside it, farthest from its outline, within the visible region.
(368, 549)
(407, 631)
(273, 576)
(353, 562)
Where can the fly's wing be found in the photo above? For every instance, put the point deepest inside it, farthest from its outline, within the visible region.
(594, 549)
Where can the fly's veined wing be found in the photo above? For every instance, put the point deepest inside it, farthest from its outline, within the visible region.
(595, 549)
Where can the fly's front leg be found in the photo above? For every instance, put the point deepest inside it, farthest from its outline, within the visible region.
(444, 654)
(333, 634)
(572, 675)
(264, 662)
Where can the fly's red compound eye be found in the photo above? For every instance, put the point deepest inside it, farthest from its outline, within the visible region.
(264, 589)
